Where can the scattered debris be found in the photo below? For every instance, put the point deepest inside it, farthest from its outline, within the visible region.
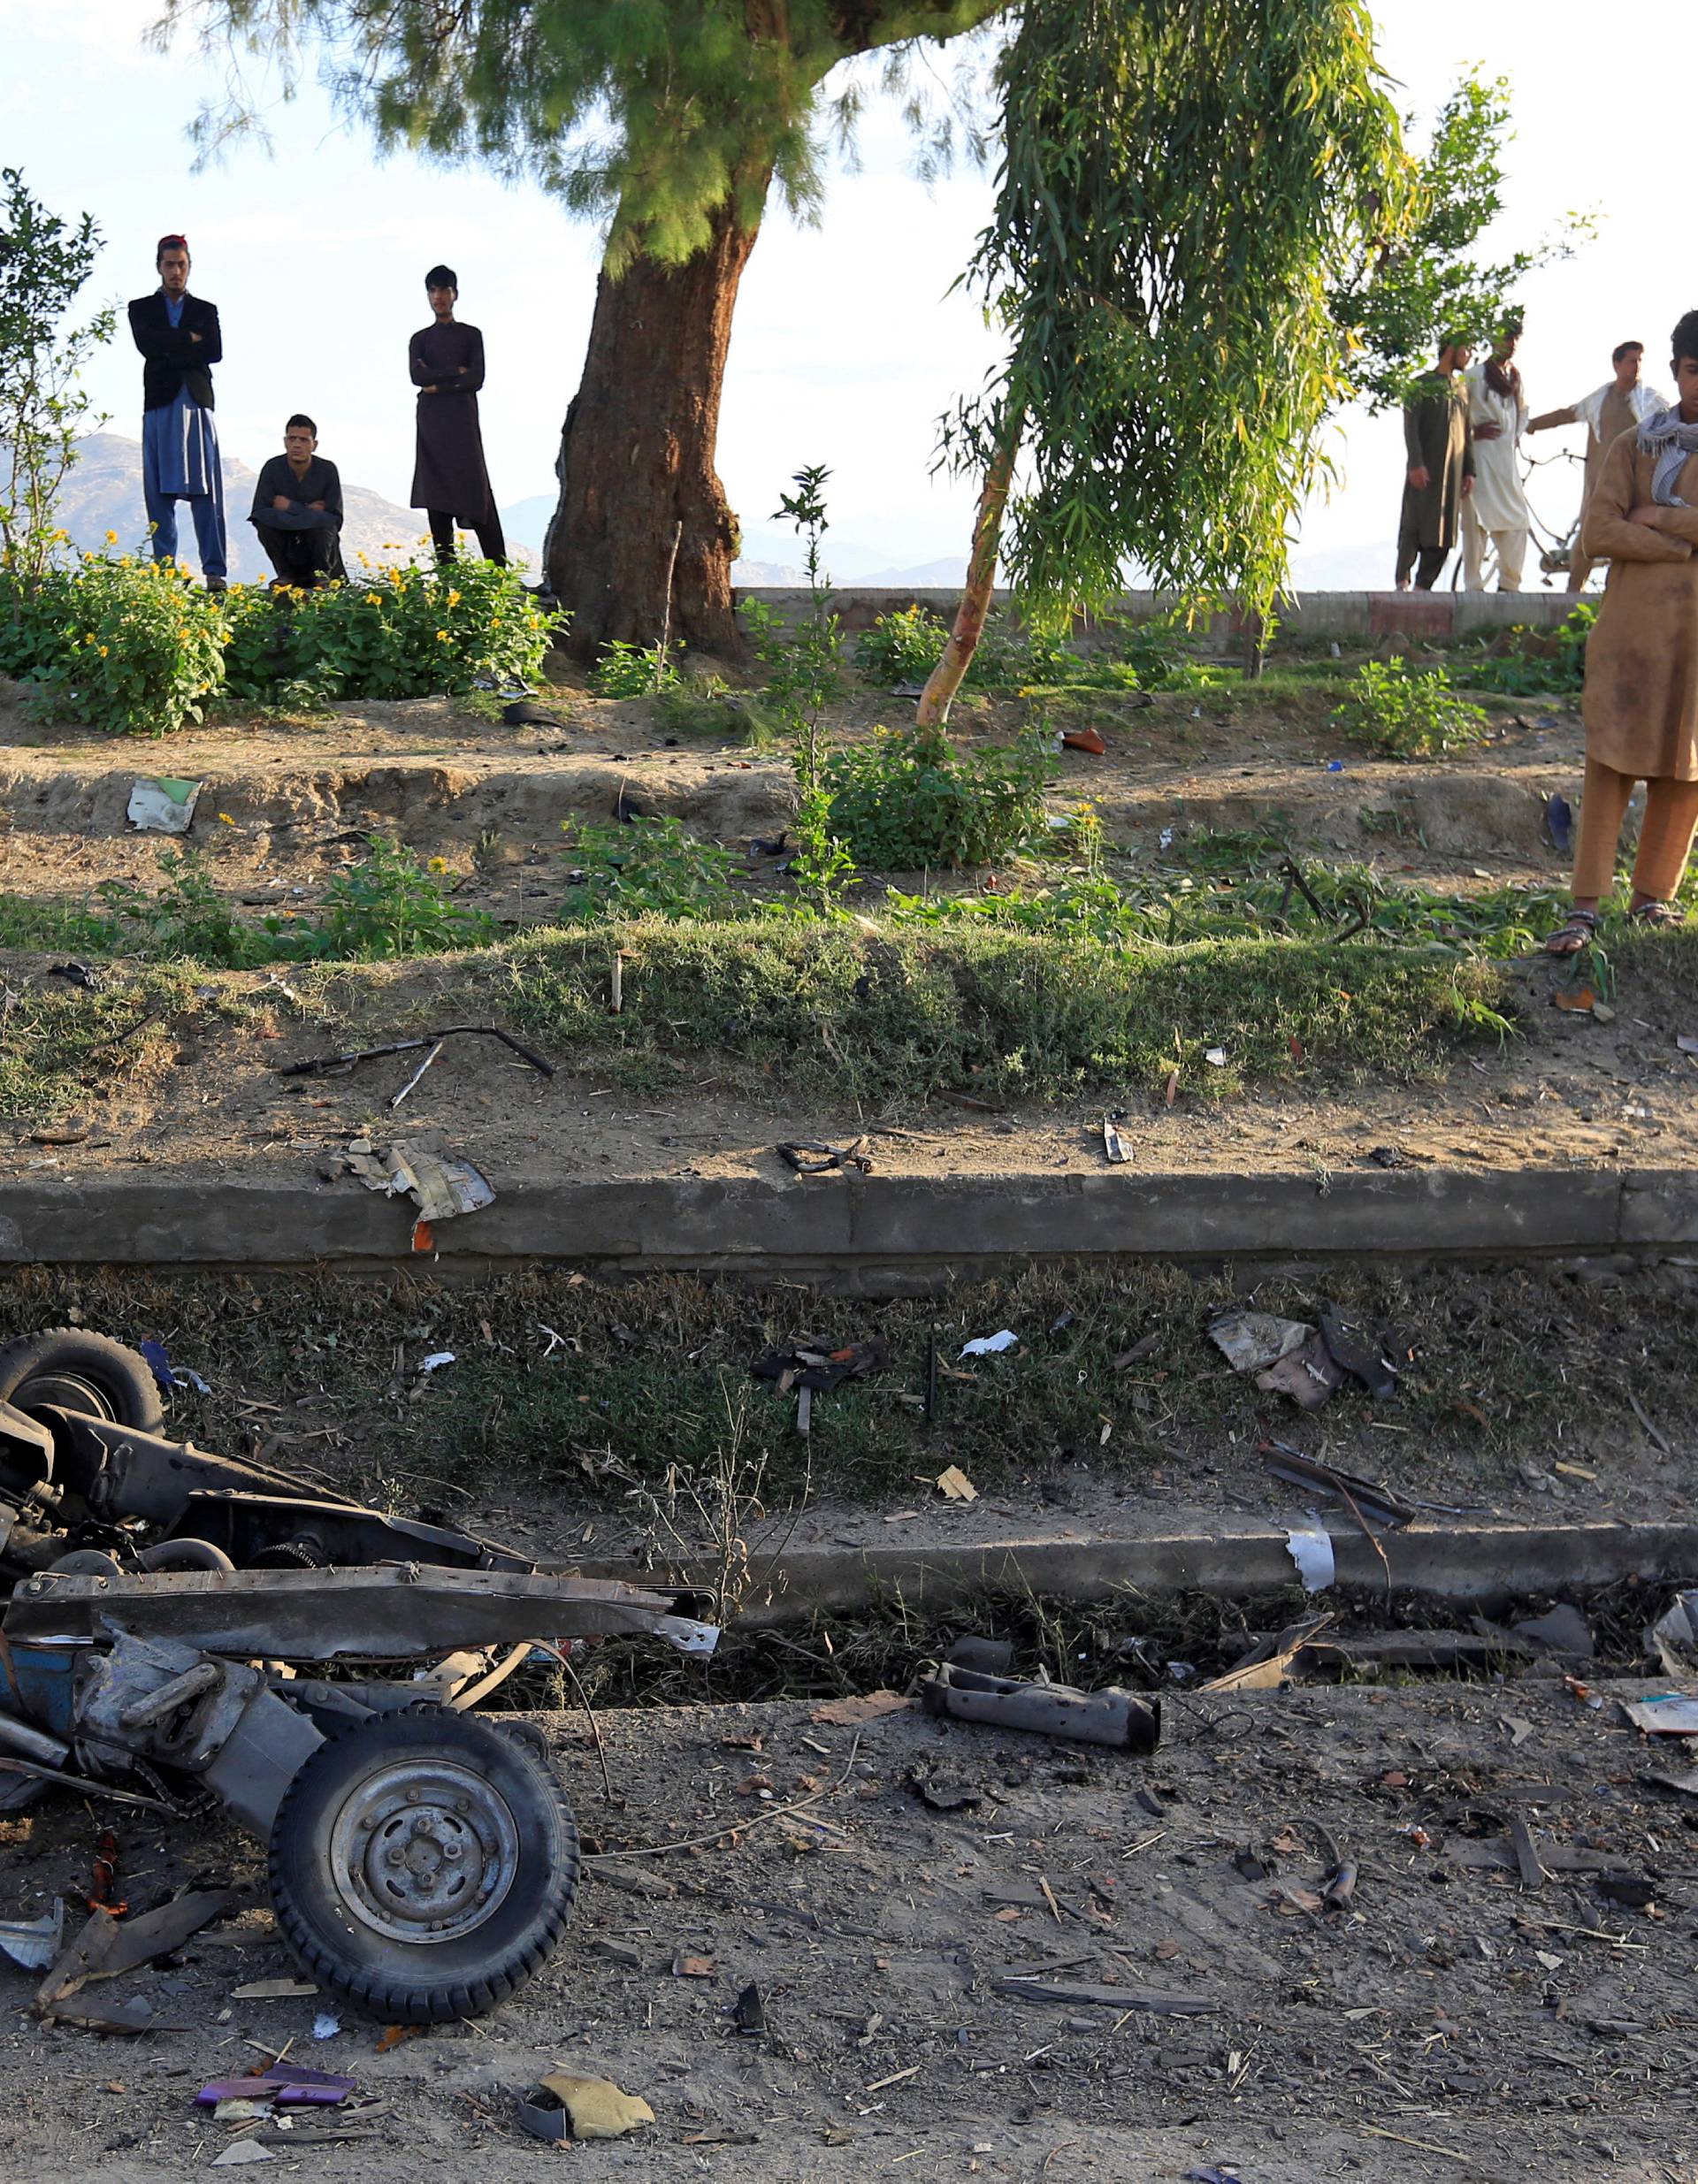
(164, 806)
(1312, 1553)
(1033, 1989)
(1563, 1630)
(1559, 823)
(239, 2156)
(942, 1792)
(1086, 740)
(1113, 1143)
(563, 2107)
(324, 2026)
(687, 1966)
(33, 1944)
(435, 1362)
(988, 1656)
(748, 2011)
(809, 1363)
(1669, 1715)
(75, 974)
(1250, 1341)
(858, 1707)
(1354, 1353)
(74, 1130)
(439, 1183)
(1273, 1661)
(955, 1486)
(1340, 1889)
(272, 1990)
(1215, 1057)
(1307, 1375)
(107, 1946)
(1575, 1000)
(525, 712)
(283, 2083)
(988, 1345)
(1372, 1499)
(1109, 1716)
(795, 1155)
(1389, 1156)
(1674, 1637)
(333, 1065)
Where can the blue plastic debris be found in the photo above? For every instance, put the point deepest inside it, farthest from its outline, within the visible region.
(1559, 822)
(1335, 766)
(168, 1377)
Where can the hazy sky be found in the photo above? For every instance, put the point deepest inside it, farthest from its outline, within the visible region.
(847, 343)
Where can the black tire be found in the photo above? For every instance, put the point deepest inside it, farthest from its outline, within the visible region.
(345, 1918)
(74, 1370)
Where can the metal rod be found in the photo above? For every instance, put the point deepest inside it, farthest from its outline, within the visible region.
(416, 1074)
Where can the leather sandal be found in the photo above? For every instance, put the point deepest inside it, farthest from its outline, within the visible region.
(1579, 932)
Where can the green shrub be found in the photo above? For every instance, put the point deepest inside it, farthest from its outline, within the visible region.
(187, 917)
(906, 647)
(1544, 663)
(402, 633)
(626, 670)
(130, 646)
(387, 906)
(651, 864)
(1408, 717)
(908, 799)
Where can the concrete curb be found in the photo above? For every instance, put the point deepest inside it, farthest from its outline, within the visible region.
(877, 1234)
(1470, 1563)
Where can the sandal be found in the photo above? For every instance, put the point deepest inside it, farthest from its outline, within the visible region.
(1581, 931)
(1659, 916)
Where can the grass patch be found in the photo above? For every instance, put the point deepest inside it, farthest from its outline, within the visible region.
(1500, 1366)
(893, 1018)
(60, 1039)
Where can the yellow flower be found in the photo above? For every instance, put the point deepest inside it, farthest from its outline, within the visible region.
(441, 637)
(438, 864)
(111, 538)
(225, 819)
(103, 652)
(374, 599)
(454, 598)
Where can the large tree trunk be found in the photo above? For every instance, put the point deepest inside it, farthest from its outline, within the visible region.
(636, 457)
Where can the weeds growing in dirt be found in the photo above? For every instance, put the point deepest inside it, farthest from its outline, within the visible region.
(627, 670)
(1405, 715)
(907, 801)
(654, 864)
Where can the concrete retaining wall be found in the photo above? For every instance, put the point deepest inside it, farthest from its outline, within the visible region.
(1477, 1563)
(879, 1234)
(1362, 615)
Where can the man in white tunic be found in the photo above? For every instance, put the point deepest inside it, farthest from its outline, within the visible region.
(1497, 415)
(1620, 405)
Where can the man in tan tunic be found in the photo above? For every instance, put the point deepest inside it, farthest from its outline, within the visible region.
(1441, 468)
(1640, 704)
(1607, 412)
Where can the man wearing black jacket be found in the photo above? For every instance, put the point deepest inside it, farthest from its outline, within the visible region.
(178, 338)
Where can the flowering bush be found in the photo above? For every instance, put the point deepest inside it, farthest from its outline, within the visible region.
(128, 645)
(390, 633)
(134, 645)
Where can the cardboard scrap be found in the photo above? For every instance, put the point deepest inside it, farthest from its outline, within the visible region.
(164, 806)
(441, 1185)
(585, 2108)
(272, 1989)
(1252, 1340)
(1671, 1714)
(866, 1706)
(956, 1486)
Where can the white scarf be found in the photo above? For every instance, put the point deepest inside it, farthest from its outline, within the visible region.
(1670, 441)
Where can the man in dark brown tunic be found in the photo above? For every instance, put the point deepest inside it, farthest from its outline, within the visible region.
(445, 360)
(1441, 468)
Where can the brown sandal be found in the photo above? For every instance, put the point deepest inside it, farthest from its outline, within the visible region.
(1581, 931)
(1658, 916)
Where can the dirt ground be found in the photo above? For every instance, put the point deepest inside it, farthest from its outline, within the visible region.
(1570, 1091)
(1447, 2022)
(280, 801)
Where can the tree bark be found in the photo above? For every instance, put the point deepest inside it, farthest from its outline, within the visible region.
(945, 678)
(636, 457)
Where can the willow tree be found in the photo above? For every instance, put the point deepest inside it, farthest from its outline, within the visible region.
(669, 120)
(1182, 184)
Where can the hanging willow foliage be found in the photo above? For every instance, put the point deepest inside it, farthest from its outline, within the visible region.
(1183, 182)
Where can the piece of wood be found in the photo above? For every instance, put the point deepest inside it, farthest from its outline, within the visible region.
(1150, 1999)
(1527, 1857)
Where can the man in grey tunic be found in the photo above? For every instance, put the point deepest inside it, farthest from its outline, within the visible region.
(1440, 453)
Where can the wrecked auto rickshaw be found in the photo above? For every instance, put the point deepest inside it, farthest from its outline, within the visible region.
(215, 1629)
